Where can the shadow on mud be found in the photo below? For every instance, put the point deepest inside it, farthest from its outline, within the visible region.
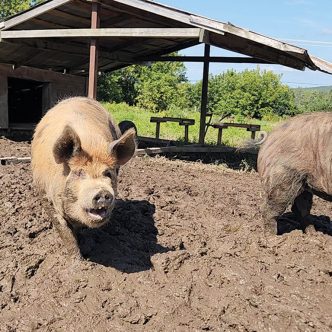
(127, 242)
(287, 223)
(232, 160)
(237, 159)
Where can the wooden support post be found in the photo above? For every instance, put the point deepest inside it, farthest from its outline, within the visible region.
(93, 67)
(204, 97)
(253, 134)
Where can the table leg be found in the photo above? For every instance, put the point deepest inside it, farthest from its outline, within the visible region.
(186, 133)
(157, 129)
(219, 136)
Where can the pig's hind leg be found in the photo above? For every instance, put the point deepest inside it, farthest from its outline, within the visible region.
(272, 210)
(281, 192)
(301, 208)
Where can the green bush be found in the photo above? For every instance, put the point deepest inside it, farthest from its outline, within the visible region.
(248, 94)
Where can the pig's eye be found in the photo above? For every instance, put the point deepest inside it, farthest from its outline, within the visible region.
(79, 173)
(109, 174)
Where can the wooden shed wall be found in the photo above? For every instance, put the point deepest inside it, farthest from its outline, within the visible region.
(58, 86)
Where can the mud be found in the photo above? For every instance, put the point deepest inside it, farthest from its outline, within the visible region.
(183, 252)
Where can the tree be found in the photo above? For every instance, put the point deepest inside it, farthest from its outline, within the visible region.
(11, 7)
(161, 86)
(157, 87)
(119, 86)
(251, 93)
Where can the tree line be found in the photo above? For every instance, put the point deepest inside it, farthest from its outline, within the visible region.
(313, 100)
(250, 94)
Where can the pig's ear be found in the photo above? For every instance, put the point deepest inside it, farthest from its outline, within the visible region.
(67, 145)
(124, 148)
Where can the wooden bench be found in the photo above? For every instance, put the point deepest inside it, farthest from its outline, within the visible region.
(182, 122)
(220, 126)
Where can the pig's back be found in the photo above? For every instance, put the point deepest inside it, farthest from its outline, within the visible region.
(85, 116)
(302, 143)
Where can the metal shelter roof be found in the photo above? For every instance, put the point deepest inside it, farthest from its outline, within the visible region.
(56, 35)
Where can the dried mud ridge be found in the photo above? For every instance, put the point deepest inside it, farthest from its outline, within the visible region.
(183, 252)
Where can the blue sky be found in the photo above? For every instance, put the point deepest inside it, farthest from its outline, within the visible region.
(304, 23)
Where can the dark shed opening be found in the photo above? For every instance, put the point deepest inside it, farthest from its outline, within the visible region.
(25, 103)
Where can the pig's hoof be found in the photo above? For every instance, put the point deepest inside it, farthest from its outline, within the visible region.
(270, 229)
(75, 262)
(75, 265)
(310, 229)
(75, 255)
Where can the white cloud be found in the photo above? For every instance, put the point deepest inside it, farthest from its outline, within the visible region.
(327, 31)
(306, 22)
(299, 2)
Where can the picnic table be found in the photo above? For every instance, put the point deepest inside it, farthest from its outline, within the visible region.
(181, 121)
(224, 125)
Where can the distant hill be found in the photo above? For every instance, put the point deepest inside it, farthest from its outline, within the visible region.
(316, 88)
(318, 98)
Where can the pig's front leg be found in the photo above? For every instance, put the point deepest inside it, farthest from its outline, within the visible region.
(67, 234)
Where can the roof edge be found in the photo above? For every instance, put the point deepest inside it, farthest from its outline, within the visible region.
(30, 13)
(321, 64)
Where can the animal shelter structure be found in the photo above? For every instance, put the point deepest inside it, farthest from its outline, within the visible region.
(57, 48)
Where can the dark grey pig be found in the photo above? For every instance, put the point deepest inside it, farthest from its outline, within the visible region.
(295, 163)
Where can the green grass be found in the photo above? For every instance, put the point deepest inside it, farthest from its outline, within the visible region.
(171, 130)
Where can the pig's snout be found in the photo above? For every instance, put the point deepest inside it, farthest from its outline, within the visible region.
(101, 205)
(103, 199)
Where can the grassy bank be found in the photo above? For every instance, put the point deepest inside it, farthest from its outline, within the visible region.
(170, 130)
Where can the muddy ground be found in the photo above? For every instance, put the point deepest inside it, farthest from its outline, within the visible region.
(183, 252)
